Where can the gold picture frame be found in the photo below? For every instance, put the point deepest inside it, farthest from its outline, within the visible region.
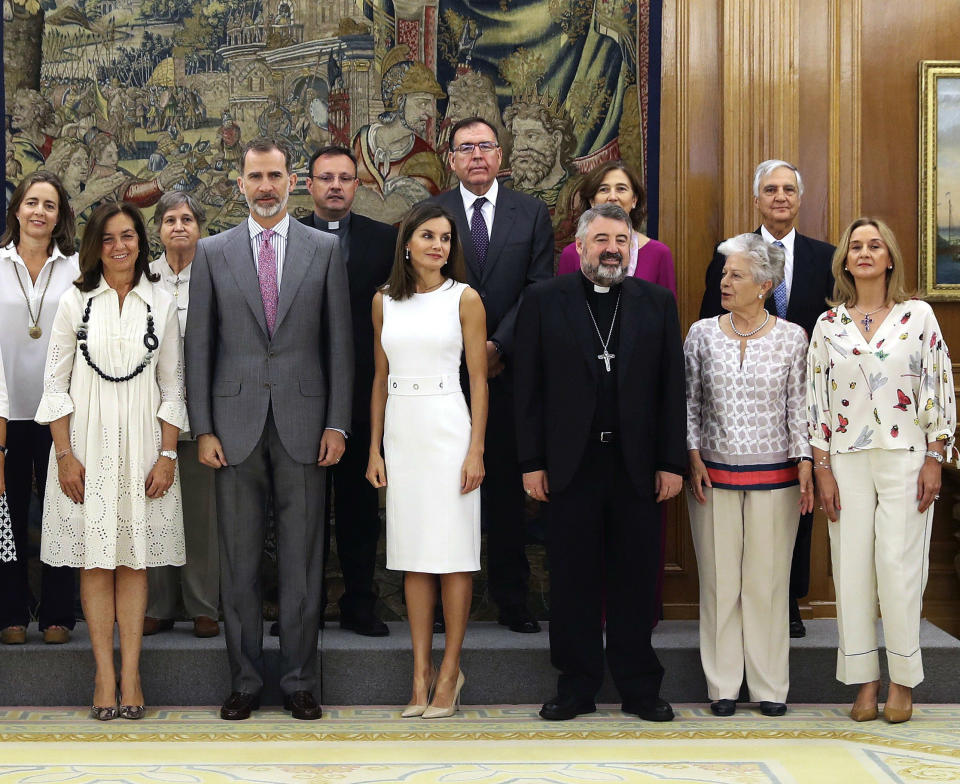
(939, 226)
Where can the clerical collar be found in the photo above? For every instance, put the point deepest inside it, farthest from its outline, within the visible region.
(590, 286)
(334, 227)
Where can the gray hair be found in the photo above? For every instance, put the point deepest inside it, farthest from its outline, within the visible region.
(173, 199)
(766, 168)
(766, 260)
(606, 210)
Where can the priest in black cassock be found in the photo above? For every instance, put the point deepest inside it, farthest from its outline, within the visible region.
(601, 432)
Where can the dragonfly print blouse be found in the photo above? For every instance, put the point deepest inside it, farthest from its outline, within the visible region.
(894, 391)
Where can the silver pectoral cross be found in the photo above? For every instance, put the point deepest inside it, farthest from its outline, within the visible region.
(866, 321)
(605, 357)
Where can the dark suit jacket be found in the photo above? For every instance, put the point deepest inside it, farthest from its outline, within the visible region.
(520, 253)
(556, 376)
(811, 286)
(372, 245)
(237, 373)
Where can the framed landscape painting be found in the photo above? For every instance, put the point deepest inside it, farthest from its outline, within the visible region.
(939, 197)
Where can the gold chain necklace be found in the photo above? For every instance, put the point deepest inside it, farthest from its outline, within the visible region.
(34, 331)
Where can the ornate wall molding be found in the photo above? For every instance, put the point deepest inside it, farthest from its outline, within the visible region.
(760, 52)
(845, 109)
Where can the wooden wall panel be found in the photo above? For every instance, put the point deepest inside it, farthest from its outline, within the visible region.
(833, 89)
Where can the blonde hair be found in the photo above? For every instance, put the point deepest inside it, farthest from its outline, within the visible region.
(844, 288)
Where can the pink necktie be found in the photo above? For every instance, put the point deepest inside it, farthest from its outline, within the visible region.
(267, 272)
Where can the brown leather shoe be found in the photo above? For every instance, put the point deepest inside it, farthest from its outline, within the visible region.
(13, 635)
(204, 626)
(56, 635)
(154, 625)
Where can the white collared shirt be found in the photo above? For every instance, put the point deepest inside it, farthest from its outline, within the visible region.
(278, 241)
(23, 356)
(176, 285)
(488, 209)
(787, 241)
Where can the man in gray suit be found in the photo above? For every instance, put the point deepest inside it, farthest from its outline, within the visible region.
(269, 354)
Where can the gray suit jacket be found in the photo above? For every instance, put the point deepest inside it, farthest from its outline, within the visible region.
(235, 371)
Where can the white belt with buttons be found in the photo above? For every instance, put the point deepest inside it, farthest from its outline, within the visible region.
(423, 385)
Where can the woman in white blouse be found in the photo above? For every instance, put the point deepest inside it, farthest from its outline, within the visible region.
(37, 264)
(113, 396)
(750, 477)
(882, 414)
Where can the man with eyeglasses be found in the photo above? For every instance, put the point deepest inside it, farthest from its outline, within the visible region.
(508, 244)
(367, 246)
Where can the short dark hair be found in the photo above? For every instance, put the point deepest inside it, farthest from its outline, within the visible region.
(402, 282)
(468, 121)
(266, 144)
(332, 149)
(91, 265)
(593, 179)
(63, 232)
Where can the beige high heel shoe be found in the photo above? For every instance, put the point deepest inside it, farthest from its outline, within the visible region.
(416, 711)
(433, 712)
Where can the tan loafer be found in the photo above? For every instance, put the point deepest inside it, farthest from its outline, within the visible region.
(204, 626)
(13, 635)
(56, 635)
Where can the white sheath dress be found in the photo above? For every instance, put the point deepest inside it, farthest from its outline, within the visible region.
(431, 526)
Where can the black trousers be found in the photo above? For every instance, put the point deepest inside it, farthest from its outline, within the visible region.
(604, 541)
(357, 515)
(800, 565)
(502, 497)
(29, 450)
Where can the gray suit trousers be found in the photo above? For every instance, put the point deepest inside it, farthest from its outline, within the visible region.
(297, 491)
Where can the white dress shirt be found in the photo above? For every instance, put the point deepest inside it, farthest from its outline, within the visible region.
(488, 209)
(24, 356)
(278, 241)
(787, 241)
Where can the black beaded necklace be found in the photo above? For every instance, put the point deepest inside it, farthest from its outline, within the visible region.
(150, 340)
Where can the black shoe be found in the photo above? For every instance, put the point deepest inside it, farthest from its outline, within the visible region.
(773, 708)
(797, 628)
(275, 629)
(368, 626)
(562, 708)
(723, 707)
(518, 619)
(239, 705)
(439, 625)
(658, 710)
(303, 705)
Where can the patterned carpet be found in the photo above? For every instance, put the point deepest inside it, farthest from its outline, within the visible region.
(492, 745)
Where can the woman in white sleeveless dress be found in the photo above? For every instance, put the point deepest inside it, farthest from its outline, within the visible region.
(432, 465)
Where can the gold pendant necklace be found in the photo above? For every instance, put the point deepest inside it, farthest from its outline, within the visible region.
(34, 330)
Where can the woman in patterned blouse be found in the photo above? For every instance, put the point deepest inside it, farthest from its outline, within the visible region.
(750, 477)
(881, 414)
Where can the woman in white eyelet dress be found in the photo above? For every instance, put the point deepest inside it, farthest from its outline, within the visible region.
(112, 505)
(432, 465)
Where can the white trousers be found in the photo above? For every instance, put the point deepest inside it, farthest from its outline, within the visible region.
(879, 547)
(744, 545)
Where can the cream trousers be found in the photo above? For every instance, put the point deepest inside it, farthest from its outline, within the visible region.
(744, 544)
(879, 547)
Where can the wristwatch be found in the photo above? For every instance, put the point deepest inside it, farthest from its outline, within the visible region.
(3, 449)
(170, 453)
(935, 455)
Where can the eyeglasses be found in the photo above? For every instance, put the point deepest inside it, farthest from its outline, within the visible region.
(467, 148)
(329, 179)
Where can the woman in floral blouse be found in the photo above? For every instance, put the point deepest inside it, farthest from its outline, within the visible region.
(881, 414)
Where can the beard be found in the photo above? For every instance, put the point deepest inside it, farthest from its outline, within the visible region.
(267, 212)
(604, 275)
(530, 166)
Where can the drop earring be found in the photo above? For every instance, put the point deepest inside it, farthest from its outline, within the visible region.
(407, 256)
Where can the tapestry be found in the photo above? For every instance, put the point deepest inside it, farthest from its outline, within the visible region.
(126, 99)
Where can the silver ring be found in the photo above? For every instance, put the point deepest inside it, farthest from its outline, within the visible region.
(936, 498)
(529, 493)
